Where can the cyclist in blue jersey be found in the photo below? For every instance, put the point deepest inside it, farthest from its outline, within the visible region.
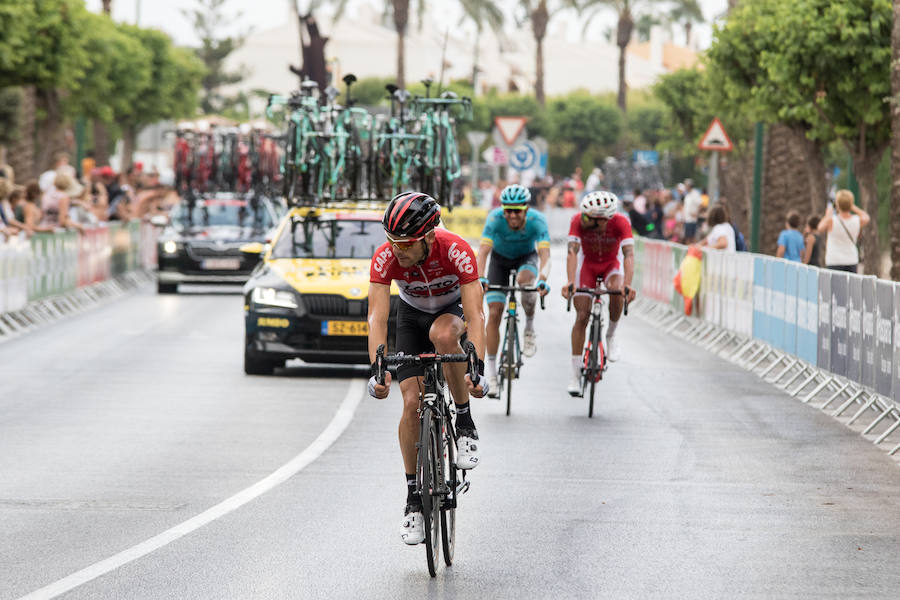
(516, 238)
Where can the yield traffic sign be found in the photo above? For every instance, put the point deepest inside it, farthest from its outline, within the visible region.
(715, 138)
(510, 128)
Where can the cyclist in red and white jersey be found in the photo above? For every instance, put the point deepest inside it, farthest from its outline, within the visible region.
(438, 280)
(600, 245)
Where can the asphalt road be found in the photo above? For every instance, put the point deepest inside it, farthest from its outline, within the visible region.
(694, 479)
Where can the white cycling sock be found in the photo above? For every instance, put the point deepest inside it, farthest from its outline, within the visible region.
(491, 365)
(611, 331)
(576, 364)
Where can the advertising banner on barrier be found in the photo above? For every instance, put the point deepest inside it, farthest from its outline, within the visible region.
(745, 273)
(791, 280)
(884, 338)
(839, 334)
(775, 283)
(808, 314)
(760, 300)
(823, 355)
(854, 328)
(869, 312)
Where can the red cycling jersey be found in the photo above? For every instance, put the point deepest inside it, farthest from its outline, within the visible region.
(600, 253)
(435, 283)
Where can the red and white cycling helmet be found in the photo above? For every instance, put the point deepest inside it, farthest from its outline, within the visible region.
(600, 204)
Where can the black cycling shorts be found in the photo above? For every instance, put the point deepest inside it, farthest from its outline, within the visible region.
(413, 326)
(499, 268)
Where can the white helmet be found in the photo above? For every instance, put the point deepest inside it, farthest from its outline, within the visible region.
(600, 204)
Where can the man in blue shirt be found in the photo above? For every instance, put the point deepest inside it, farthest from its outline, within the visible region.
(790, 240)
(516, 238)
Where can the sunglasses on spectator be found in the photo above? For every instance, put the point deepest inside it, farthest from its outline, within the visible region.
(405, 243)
(512, 211)
(597, 220)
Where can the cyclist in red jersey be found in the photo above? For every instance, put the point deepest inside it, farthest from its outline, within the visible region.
(438, 280)
(600, 245)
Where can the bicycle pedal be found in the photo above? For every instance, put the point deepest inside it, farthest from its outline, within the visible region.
(462, 487)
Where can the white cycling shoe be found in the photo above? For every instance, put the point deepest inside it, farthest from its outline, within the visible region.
(529, 348)
(574, 387)
(613, 351)
(412, 527)
(494, 386)
(467, 449)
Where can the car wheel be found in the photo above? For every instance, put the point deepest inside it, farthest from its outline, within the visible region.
(166, 288)
(259, 366)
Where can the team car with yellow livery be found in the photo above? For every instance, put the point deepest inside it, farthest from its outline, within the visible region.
(307, 298)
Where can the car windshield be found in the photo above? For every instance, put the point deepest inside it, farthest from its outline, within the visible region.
(313, 238)
(237, 213)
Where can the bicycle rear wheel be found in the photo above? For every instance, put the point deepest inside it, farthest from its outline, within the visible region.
(448, 508)
(431, 503)
(511, 357)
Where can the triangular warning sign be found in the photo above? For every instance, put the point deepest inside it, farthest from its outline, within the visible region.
(715, 138)
(510, 128)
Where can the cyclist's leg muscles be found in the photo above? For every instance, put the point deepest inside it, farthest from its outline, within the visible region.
(412, 331)
(445, 333)
(527, 276)
(497, 274)
(582, 314)
(614, 283)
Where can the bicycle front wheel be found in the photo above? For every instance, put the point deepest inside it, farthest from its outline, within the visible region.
(431, 502)
(448, 509)
(511, 359)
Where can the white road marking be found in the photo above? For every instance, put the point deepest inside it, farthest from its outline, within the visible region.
(331, 433)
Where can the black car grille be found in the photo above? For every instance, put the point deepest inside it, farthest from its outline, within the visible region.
(333, 305)
(213, 250)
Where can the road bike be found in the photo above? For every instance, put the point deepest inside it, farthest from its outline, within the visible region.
(511, 353)
(594, 363)
(438, 480)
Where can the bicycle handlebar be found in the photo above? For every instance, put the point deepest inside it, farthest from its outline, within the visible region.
(470, 357)
(596, 294)
(516, 288)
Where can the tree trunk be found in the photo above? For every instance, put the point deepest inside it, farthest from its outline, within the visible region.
(101, 143)
(895, 145)
(129, 141)
(539, 19)
(624, 29)
(688, 26)
(864, 167)
(814, 162)
(475, 61)
(51, 132)
(401, 20)
(107, 7)
(21, 153)
(785, 185)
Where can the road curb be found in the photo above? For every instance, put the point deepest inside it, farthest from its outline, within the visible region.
(43, 312)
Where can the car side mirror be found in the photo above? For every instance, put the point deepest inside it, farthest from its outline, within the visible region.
(159, 220)
(254, 248)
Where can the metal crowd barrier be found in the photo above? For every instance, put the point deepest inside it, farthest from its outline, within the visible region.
(50, 274)
(823, 336)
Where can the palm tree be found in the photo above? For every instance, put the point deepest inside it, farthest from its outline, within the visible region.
(537, 12)
(481, 12)
(399, 10)
(686, 13)
(625, 11)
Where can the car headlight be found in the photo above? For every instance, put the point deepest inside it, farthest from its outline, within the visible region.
(170, 247)
(273, 297)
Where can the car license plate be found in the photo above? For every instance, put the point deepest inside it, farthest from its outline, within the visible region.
(221, 264)
(345, 328)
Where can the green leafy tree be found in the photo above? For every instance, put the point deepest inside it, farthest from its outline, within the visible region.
(584, 121)
(176, 77)
(823, 66)
(208, 18)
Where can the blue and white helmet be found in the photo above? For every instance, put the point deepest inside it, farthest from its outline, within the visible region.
(515, 195)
